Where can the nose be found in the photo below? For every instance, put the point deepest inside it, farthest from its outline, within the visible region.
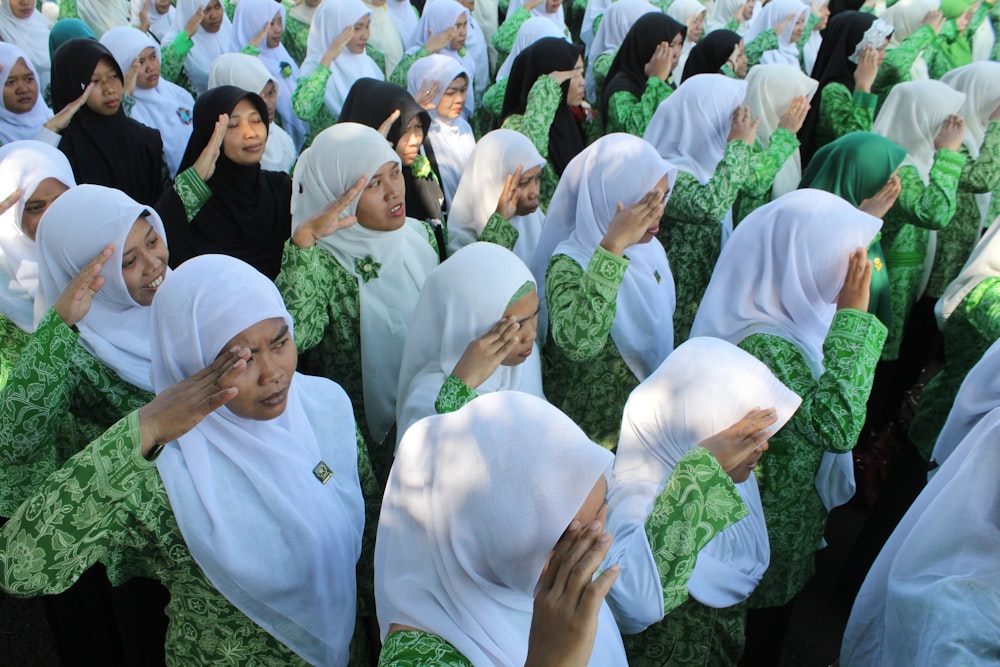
(268, 371)
(392, 188)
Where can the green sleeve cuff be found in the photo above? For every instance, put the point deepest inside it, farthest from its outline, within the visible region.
(607, 271)
(453, 395)
(250, 50)
(861, 336)
(193, 191)
(182, 44)
(865, 100)
(949, 162)
(498, 230)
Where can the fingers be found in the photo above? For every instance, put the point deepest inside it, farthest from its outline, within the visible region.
(559, 551)
(572, 571)
(80, 101)
(219, 133)
(94, 267)
(387, 123)
(10, 200)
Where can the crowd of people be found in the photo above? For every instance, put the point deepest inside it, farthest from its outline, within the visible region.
(458, 332)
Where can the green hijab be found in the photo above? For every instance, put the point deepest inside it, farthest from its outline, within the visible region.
(855, 167)
(66, 29)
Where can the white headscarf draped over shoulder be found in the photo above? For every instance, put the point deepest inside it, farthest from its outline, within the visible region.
(617, 21)
(336, 159)
(249, 73)
(277, 542)
(616, 168)
(460, 301)
(23, 166)
(167, 107)
(20, 126)
(704, 387)
(332, 18)
(207, 46)
(495, 157)
(983, 263)
(30, 35)
(458, 554)
(116, 328)
(770, 91)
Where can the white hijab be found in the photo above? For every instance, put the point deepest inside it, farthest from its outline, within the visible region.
(473, 506)
(780, 274)
(557, 17)
(704, 387)
(683, 11)
(332, 18)
(336, 159)
(207, 46)
(906, 16)
(770, 91)
(461, 300)
(167, 107)
(983, 263)
(385, 35)
(405, 16)
(932, 596)
(19, 126)
(24, 165)
(439, 15)
(159, 24)
(452, 139)
(31, 35)
(690, 129)
(530, 32)
(250, 17)
(277, 542)
(721, 13)
(594, 9)
(768, 18)
(116, 329)
(103, 15)
(496, 156)
(616, 168)
(617, 21)
(247, 72)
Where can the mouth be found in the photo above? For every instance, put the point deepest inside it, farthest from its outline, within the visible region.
(276, 399)
(112, 104)
(653, 231)
(155, 283)
(253, 148)
(527, 353)
(26, 100)
(397, 210)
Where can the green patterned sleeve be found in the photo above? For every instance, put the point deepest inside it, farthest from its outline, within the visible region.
(954, 49)
(931, 206)
(305, 287)
(581, 303)
(631, 115)
(602, 64)
(453, 395)
(493, 97)
(372, 493)
(307, 100)
(377, 56)
(295, 39)
(76, 518)
(419, 649)
(843, 111)
(503, 38)
(983, 173)
(193, 192)
(67, 10)
(765, 164)
(398, 75)
(544, 99)
(765, 41)
(899, 61)
(13, 339)
(698, 502)
(498, 230)
(707, 204)
(172, 57)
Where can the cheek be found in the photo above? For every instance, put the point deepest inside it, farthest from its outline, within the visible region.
(29, 224)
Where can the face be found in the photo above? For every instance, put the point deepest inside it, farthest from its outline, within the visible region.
(577, 85)
(525, 310)
(676, 46)
(738, 60)
(824, 17)
(744, 468)
(313, 3)
(106, 96)
(461, 32)
(362, 31)
(161, 6)
(746, 11)
(552, 6)
(453, 100)
(20, 90)
(696, 24)
(46, 193)
(22, 9)
(381, 206)
(529, 190)
(881, 51)
(270, 97)
(212, 20)
(144, 262)
(651, 233)
(408, 146)
(263, 385)
(149, 69)
(275, 31)
(800, 25)
(246, 135)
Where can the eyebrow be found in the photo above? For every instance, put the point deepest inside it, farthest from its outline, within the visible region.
(530, 316)
(132, 249)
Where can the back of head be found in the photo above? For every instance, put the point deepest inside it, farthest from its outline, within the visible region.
(854, 167)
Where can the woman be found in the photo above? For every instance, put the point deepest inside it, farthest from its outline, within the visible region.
(916, 24)
(24, 27)
(449, 134)
(706, 132)
(531, 31)
(690, 14)
(352, 287)
(249, 21)
(247, 215)
(335, 59)
(469, 601)
(615, 26)
(372, 103)
(385, 36)
(450, 18)
(158, 15)
(296, 35)
(212, 38)
(774, 16)
(498, 197)
(608, 294)
(721, 52)
(545, 84)
(247, 72)
(103, 145)
(472, 333)
(780, 293)
(159, 104)
(664, 450)
(640, 75)
(23, 112)
(257, 452)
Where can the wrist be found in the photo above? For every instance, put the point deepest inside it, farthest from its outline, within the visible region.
(303, 238)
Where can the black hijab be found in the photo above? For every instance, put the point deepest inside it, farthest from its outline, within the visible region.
(628, 69)
(370, 102)
(114, 151)
(549, 54)
(248, 215)
(711, 53)
(840, 39)
(841, 6)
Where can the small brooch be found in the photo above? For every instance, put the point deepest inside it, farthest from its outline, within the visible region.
(462, 51)
(185, 116)
(323, 472)
(877, 263)
(367, 268)
(286, 69)
(421, 167)
(656, 274)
